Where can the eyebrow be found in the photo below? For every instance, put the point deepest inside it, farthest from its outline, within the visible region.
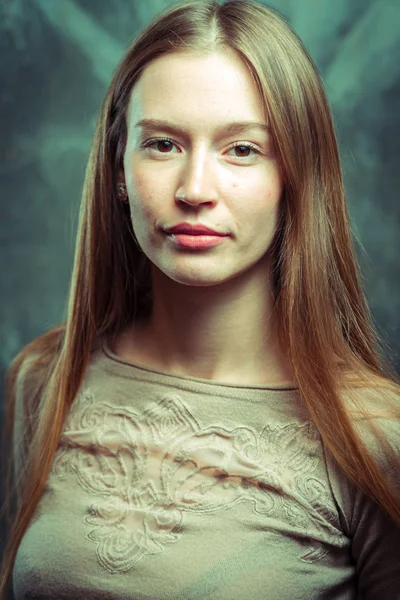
(226, 129)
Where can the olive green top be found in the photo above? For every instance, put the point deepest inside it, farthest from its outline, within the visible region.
(179, 488)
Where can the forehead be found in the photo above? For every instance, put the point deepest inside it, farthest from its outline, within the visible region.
(196, 89)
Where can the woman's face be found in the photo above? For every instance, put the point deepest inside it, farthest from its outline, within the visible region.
(197, 172)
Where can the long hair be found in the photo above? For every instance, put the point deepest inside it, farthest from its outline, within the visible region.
(325, 328)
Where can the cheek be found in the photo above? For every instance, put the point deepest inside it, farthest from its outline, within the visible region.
(258, 190)
(254, 203)
(274, 192)
(140, 181)
(142, 190)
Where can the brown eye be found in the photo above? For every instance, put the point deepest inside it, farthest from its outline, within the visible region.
(242, 150)
(160, 145)
(163, 145)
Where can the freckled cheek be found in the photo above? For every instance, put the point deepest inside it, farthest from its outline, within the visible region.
(143, 191)
(141, 181)
(274, 193)
(146, 199)
(257, 191)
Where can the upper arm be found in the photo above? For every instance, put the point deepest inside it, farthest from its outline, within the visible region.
(375, 534)
(375, 550)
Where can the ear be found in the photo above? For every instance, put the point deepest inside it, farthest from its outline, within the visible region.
(121, 177)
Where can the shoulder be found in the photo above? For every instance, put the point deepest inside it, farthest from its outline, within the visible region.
(374, 413)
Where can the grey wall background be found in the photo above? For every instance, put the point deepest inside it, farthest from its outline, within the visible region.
(56, 60)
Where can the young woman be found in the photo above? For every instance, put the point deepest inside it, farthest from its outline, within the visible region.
(214, 419)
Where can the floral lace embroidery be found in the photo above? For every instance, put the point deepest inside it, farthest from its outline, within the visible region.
(148, 470)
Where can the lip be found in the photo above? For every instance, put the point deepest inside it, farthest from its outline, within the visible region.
(188, 229)
(195, 242)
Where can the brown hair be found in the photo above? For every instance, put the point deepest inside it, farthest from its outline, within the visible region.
(325, 326)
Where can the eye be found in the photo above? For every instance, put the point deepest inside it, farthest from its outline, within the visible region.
(163, 145)
(246, 148)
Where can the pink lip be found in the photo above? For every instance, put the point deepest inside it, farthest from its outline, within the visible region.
(183, 240)
(188, 229)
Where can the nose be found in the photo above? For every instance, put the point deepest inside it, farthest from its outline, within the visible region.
(198, 185)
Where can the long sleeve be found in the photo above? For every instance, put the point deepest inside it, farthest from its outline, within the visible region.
(376, 538)
(375, 545)
(376, 551)
(172, 487)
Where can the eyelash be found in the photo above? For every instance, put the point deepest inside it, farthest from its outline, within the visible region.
(166, 139)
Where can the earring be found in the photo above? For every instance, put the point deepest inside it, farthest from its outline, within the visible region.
(122, 193)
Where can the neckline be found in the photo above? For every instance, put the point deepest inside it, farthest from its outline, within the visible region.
(132, 368)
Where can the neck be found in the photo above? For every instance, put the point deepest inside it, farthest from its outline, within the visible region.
(222, 332)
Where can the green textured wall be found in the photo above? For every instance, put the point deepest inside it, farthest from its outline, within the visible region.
(56, 59)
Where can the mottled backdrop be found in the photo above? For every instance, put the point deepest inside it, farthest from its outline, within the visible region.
(56, 59)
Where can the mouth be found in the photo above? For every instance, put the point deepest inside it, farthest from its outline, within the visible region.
(196, 241)
(195, 229)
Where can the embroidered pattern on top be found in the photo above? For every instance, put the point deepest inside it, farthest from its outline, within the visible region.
(148, 470)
